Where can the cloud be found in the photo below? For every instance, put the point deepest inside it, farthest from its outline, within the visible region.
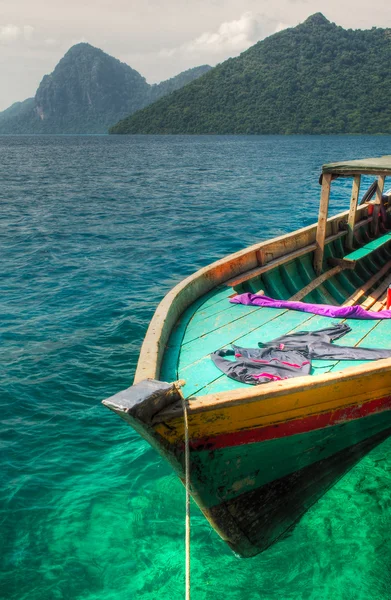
(11, 33)
(281, 26)
(28, 32)
(231, 37)
(79, 40)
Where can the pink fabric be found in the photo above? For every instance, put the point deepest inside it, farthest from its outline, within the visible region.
(283, 362)
(269, 376)
(327, 310)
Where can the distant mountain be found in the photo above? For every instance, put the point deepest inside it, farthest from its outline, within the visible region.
(175, 83)
(16, 111)
(87, 92)
(313, 78)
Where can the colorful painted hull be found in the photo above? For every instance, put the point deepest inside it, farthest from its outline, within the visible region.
(257, 465)
(260, 456)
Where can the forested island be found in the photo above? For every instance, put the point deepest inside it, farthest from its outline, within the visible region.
(316, 78)
(87, 92)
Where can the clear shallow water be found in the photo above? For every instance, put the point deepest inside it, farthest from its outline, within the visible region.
(94, 230)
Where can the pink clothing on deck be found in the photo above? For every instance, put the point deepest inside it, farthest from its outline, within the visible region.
(326, 310)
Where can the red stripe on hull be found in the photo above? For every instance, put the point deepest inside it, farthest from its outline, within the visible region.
(294, 426)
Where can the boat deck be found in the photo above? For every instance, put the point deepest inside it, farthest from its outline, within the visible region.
(216, 323)
(212, 322)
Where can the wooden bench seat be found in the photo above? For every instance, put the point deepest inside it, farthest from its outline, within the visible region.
(368, 248)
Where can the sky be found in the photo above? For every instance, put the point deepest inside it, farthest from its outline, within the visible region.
(158, 38)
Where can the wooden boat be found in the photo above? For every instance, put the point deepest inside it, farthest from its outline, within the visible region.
(260, 456)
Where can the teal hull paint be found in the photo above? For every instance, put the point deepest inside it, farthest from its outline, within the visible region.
(223, 474)
(254, 520)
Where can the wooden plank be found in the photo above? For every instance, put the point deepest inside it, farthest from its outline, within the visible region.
(359, 331)
(341, 262)
(204, 375)
(322, 223)
(380, 304)
(280, 261)
(288, 321)
(171, 354)
(376, 294)
(376, 336)
(357, 336)
(316, 283)
(207, 278)
(363, 222)
(216, 321)
(218, 294)
(367, 249)
(353, 210)
(205, 312)
(367, 286)
(220, 384)
(214, 382)
(379, 242)
(379, 172)
(379, 336)
(379, 189)
(196, 349)
(271, 265)
(355, 384)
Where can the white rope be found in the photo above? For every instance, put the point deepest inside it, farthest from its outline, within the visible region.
(187, 484)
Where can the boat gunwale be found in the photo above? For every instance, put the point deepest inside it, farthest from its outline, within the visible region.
(187, 291)
(297, 385)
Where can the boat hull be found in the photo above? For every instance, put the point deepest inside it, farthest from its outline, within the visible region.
(260, 457)
(254, 520)
(258, 461)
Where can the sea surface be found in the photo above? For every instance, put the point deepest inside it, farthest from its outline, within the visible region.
(94, 231)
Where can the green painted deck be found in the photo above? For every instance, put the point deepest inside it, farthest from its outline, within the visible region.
(212, 322)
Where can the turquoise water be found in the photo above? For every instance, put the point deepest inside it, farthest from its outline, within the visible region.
(94, 230)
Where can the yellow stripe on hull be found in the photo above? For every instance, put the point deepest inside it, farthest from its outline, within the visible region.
(261, 411)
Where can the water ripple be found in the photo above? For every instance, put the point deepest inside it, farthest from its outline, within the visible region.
(95, 230)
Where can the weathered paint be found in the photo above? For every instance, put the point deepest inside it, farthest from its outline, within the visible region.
(210, 421)
(255, 519)
(259, 459)
(217, 325)
(178, 300)
(294, 426)
(221, 474)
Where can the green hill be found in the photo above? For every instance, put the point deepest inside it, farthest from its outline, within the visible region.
(313, 78)
(87, 92)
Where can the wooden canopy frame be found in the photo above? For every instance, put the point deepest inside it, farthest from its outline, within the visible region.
(380, 168)
(241, 266)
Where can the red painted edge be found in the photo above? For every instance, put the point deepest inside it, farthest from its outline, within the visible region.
(292, 427)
